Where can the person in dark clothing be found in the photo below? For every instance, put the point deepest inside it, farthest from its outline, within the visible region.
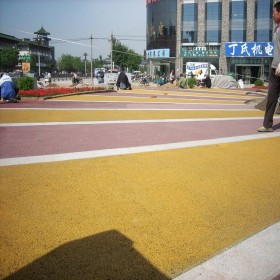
(274, 76)
(206, 82)
(123, 82)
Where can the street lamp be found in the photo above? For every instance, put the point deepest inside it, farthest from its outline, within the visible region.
(208, 55)
(85, 54)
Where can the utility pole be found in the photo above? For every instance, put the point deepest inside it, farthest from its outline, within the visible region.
(91, 76)
(112, 40)
(208, 54)
(85, 54)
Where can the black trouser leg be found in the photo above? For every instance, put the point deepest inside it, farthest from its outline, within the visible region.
(273, 95)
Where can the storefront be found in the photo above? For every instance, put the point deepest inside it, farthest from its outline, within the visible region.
(249, 60)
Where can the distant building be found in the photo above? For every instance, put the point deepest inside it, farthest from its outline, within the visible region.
(234, 35)
(38, 48)
(7, 41)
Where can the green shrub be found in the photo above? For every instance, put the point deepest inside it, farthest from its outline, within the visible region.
(259, 83)
(191, 82)
(25, 83)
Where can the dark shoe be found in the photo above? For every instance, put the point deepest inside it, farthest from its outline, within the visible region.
(265, 129)
(13, 100)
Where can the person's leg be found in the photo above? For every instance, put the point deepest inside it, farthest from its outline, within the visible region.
(273, 95)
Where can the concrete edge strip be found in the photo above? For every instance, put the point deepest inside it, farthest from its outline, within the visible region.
(130, 121)
(130, 150)
(254, 258)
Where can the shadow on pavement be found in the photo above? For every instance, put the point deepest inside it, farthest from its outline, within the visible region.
(276, 126)
(108, 255)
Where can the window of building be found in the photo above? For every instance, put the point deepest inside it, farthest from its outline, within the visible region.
(189, 22)
(238, 11)
(213, 21)
(263, 20)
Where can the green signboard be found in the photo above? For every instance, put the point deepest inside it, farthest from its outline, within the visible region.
(25, 57)
(211, 51)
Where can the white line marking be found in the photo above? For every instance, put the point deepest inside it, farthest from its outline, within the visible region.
(130, 109)
(130, 150)
(131, 121)
(254, 258)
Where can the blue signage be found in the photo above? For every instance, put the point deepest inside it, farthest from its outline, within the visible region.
(249, 49)
(158, 53)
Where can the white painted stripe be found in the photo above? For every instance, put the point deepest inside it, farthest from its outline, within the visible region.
(256, 258)
(131, 109)
(131, 150)
(132, 121)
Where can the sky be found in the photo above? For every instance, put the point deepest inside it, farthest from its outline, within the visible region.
(76, 21)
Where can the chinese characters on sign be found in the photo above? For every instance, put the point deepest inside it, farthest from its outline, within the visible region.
(158, 53)
(249, 49)
(212, 51)
(24, 56)
(150, 2)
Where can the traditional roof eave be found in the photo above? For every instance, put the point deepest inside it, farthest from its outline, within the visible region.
(42, 31)
(6, 36)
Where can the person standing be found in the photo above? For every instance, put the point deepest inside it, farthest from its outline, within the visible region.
(171, 76)
(274, 76)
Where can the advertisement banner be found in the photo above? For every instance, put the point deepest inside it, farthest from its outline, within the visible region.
(249, 49)
(25, 67)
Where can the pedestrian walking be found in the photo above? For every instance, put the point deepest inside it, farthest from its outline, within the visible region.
(274, 76)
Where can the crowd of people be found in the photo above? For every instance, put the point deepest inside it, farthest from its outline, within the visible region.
(182, 80)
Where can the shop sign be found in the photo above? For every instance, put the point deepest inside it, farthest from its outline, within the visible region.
(24, 56)
(249, 49)
(150, 2)
(158, 53)
(211, 51)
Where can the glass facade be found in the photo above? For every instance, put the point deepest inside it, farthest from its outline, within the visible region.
(161, 25)
(213, 21)
(202, 25)
(263, 20)
(238, 13)
(189, 22)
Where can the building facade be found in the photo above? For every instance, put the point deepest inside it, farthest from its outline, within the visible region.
(38, 48)
(233, 35)
(7, 41)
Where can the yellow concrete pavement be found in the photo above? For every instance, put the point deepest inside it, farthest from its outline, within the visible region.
(22, 115)
(178, 208)
(154, 98)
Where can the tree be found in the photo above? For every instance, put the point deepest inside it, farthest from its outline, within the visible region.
(98, 62)
(8, 58)
(70, 63)
(125, 57)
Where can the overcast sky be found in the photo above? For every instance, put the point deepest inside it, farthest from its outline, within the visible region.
(76, 20)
